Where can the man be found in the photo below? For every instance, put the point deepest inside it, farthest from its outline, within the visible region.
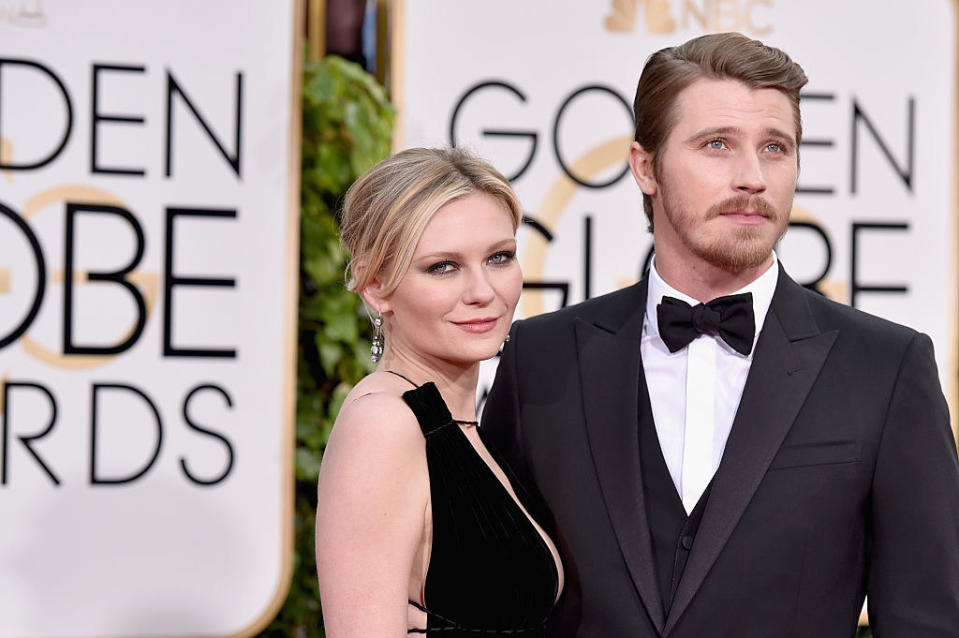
(723, 452)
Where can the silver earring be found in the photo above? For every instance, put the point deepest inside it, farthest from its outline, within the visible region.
(376, 348)
(506, 339)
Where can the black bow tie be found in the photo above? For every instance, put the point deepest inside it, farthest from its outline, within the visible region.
(731, 318)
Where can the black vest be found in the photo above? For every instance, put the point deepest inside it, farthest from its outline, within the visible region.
(672, 532)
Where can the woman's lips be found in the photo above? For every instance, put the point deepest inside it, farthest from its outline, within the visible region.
(478, 325)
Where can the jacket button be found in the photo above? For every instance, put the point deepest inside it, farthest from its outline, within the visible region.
(687, 542)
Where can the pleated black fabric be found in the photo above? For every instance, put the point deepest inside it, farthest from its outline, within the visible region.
(490, 572)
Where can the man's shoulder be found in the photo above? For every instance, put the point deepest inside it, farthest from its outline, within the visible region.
(852, 322)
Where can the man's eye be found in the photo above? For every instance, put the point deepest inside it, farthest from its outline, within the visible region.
(716, 145)
(774, 148)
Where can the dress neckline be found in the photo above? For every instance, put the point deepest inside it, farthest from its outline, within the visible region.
(404, 377)
(419, 387)
(430, 392)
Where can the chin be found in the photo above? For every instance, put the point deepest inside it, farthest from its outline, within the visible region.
(736, 254)
(479, 351)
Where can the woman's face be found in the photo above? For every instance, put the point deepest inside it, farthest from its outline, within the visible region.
(456, 301)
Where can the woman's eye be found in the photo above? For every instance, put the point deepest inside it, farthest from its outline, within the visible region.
(441, 268)
(502, 257)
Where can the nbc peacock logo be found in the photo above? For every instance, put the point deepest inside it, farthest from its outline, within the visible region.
(23, 13)
(661, 17)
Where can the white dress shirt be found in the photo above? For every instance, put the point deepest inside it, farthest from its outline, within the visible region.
(695, 391)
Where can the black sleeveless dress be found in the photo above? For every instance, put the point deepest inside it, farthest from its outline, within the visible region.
(490, 572)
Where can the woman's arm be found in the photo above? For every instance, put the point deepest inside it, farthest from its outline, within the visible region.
(372, 496)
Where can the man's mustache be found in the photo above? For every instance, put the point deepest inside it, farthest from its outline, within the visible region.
(744, 202)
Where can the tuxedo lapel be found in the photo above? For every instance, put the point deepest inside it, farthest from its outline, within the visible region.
(789, 354)
(611, 379)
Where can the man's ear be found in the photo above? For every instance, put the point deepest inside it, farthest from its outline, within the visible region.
(641, 166)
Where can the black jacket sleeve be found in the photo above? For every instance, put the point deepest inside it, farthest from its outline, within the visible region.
(913, 578)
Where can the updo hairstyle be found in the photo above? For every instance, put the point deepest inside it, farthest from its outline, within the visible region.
(387, 209)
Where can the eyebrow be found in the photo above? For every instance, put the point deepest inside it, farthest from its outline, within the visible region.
(734, 130)
(453, 255)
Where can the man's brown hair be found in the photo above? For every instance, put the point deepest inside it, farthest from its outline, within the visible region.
(717, 56)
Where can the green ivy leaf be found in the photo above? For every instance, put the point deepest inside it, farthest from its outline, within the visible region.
(330, 352)
(307, 464)
(347, 127)
(343, 328)
(339, 395)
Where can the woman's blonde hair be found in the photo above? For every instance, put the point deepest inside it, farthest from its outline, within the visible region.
(387, 209)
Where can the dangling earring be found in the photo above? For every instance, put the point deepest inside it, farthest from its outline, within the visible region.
(376, 348)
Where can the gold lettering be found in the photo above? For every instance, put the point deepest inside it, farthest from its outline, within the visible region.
(751, 24)
(622, 16)
(703, 14)
(6, 148)
(727, 15)
(658, 18)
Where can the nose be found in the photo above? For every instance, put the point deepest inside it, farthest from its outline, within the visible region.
(749, 176)
(479, 290)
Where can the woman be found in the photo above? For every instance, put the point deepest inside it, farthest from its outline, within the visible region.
(419, 528)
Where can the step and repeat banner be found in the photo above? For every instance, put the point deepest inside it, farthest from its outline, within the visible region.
(544, 90)
(148, 248)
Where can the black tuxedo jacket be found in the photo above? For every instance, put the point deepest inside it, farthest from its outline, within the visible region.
(839, 477)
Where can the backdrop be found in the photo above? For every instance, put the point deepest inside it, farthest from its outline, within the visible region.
(544, 90)
(148, 241)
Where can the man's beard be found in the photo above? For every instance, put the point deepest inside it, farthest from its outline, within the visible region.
(738, 249)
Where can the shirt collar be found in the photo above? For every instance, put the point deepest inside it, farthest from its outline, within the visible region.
(762, 289)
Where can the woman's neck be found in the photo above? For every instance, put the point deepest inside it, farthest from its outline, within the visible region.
(455, 381)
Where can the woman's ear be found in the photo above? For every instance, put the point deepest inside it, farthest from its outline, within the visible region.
(373, 300)
(372, 294)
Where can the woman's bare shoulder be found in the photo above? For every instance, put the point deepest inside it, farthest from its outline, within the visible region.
(376, 423)
(372, 499)
(379, 414)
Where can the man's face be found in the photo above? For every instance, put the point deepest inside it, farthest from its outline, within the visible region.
(724, 184)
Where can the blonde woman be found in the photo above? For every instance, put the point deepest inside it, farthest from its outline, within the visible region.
(420, 529)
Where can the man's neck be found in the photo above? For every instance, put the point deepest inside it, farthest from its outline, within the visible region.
(704, 281)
